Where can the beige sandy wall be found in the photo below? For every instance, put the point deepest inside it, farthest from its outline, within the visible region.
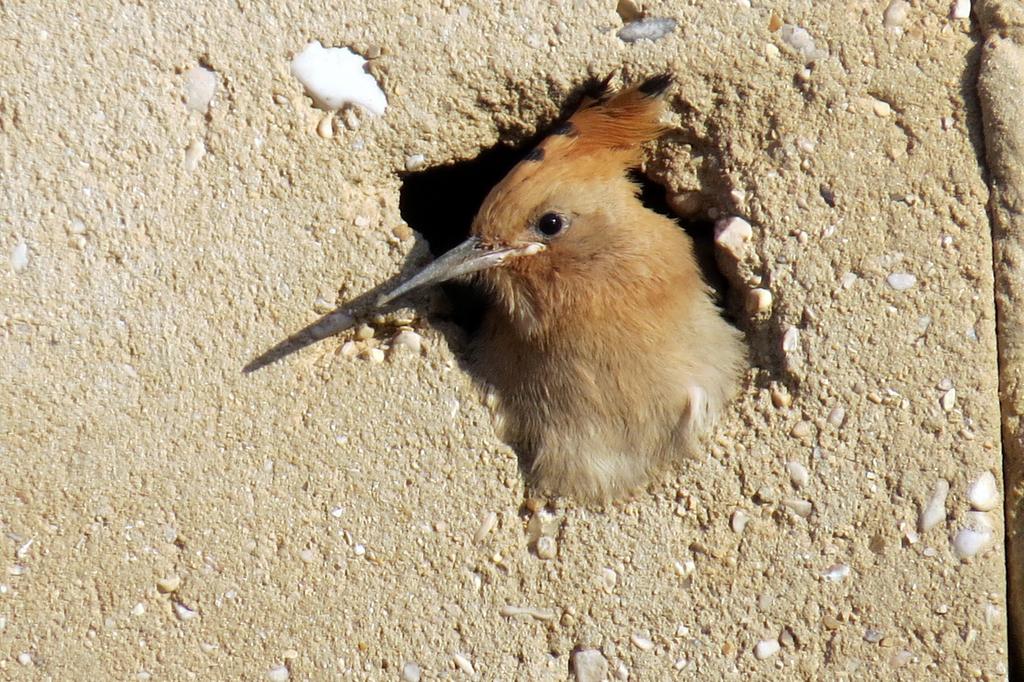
(320, 514)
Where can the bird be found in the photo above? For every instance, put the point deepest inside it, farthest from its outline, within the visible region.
(601, 340)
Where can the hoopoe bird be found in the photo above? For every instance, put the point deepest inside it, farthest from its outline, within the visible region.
(603, 343)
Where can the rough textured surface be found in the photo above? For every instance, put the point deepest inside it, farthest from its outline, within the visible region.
(1001, 94)
(318, 517)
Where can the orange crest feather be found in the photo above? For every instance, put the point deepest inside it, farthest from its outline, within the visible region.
(621, 122)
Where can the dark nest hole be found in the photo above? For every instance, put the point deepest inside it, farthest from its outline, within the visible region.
(441, 202)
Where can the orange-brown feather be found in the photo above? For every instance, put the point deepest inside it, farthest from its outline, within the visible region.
(624, 122)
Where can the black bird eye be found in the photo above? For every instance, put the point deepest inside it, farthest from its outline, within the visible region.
(551, 224)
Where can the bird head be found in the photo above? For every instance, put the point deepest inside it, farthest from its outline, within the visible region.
(562, 216)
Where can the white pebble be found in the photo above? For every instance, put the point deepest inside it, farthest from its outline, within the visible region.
(169, 584)
(837, 416)
(797, 473)
(183, 612)
(589, 665)
(948, 400)
(415, 162)
(983, 493)
(934, 511)
(408, 340)
(836, 572)
(801, 41)
(684, 568)
(335, 76)
(200, 86)
(759, 301)
(901, 658)
(609, 578)
(325, 128)
(349, 349)
(733, 235)
(801, 508)
(323, 305)
(278, 673)
(961, 9)
(510, 611)
(23, 550)
(410, 672)
(791, 340)
(375, 355)
(911, 536)
(993, 616)
(641, 642)
(901, 281)
(464, 664)
(547, 547)
(766, 648)
(895, 14)
(969, 542)
(25, 658)
(738, 521)
(19, 257)
(138, 609)
(194, 154)
(351, 118)
(651, 28)
(487, 523)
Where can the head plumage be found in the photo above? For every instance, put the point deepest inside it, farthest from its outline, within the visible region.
(601, 140)
(610, 122)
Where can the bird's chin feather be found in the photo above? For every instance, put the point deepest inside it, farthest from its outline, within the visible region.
(512, 297)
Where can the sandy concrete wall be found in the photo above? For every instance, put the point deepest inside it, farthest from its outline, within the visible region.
(166, 517)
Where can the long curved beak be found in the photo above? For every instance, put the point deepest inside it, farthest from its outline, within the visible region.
(468, 257)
